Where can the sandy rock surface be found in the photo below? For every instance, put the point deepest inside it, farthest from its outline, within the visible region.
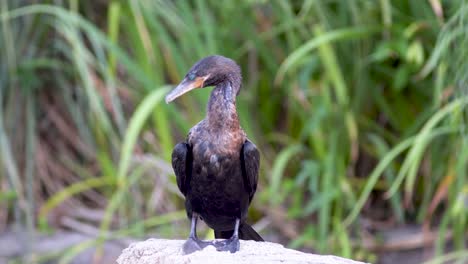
(154, 251)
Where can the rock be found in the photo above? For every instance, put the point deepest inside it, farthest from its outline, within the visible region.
(155, 251)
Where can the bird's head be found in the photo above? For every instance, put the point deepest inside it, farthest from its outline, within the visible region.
(209, 71)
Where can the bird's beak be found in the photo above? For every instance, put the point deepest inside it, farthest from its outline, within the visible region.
(184, 87)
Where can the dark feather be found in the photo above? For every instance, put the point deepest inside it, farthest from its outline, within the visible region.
(250, 161)
(182, 164)
(246, 232)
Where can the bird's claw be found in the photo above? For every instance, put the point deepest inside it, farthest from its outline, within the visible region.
(232, 245)
(194, 244)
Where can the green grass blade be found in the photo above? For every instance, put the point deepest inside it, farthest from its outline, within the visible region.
(135, 126)
(278, 171)
(336, 35)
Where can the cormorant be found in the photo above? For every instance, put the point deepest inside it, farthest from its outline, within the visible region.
(217, 167)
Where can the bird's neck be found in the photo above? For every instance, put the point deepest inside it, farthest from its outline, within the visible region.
(221, 112)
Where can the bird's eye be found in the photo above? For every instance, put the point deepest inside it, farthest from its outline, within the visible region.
(191, 76)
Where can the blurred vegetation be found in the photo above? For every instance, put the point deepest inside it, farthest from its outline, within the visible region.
(359, 109)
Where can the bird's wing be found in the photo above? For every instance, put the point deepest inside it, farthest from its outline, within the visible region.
(182, 164)
(250, 160)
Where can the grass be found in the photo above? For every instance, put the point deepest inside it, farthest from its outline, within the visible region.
(359, 109)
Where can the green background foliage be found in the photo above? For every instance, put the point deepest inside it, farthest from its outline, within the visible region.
(358, 108)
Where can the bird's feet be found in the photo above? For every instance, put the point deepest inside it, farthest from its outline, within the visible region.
(194, 244)
(232, 244)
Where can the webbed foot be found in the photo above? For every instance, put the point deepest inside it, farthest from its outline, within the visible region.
(194, 244)
(232, 244)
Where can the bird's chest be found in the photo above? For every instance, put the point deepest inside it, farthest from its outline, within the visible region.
(216, 165)
(215, 160)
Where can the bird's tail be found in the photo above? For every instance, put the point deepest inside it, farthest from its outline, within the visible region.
(246, 232)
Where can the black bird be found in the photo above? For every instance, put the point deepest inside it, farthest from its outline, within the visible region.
(217, 167)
